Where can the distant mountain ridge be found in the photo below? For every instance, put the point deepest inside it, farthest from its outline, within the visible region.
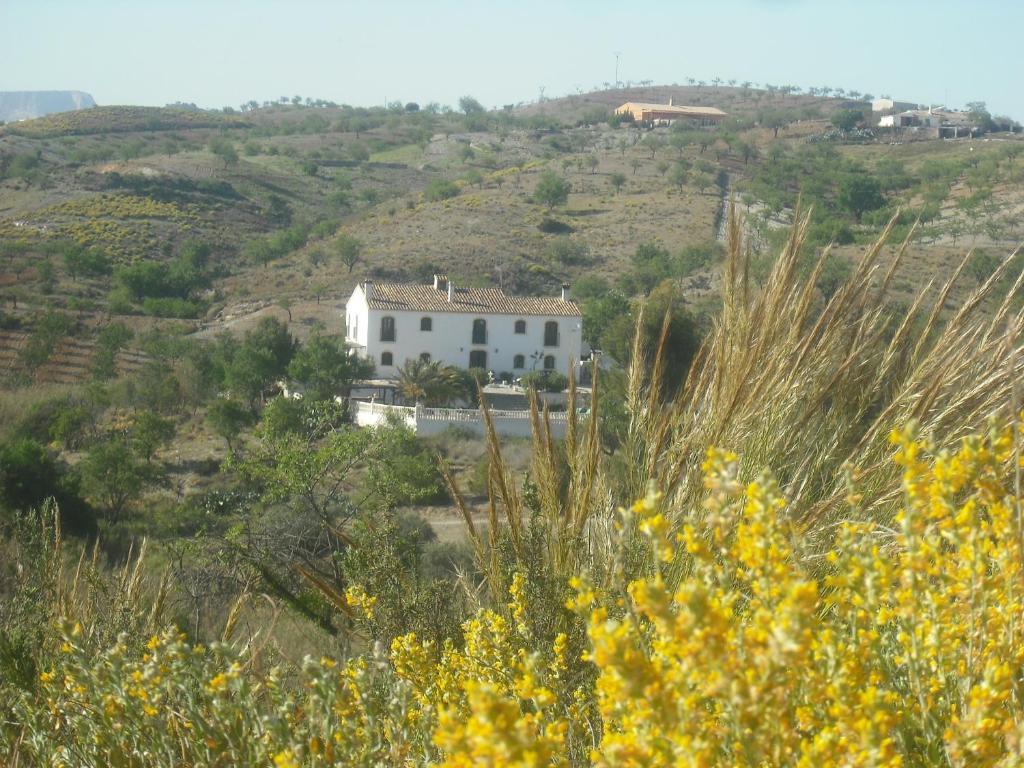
(25, 105)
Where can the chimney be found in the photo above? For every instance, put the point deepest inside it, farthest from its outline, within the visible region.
(451, 291)
(368, 289)
(440, 282)
(566, 292)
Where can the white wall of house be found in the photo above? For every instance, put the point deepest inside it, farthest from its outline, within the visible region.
(450, 339)
(356, 313)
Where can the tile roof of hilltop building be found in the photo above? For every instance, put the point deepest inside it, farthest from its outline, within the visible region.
(435, 298)
(643, 111)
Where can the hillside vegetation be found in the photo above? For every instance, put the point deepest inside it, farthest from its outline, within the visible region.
(808, 551)
(783, 528)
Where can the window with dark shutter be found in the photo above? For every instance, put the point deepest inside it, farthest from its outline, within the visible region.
(479, 331)
(551, 333)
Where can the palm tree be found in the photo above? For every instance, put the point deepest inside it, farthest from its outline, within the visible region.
(429, 382)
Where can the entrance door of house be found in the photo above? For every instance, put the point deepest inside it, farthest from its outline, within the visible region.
(478, 358)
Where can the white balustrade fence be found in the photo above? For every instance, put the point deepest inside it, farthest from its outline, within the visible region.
(433, 421)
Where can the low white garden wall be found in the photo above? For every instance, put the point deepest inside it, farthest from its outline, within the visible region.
(433, 421)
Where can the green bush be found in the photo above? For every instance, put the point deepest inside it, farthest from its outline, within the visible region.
(859, 193)
(263, 250)
(91, 262)
(172, 307)
(847, 119)
(439, 189)
(72, 425)
(565, 250)
(48, 332)
(544, 381)
(30, 474)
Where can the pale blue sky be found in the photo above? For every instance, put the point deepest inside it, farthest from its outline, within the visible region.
(224, 52)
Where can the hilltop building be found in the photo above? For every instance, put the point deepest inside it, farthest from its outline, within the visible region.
(670, 113)
(932, 122)
(391, 323)
(911, 118)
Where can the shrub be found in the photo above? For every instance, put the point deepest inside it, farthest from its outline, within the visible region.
(48, 331)
(172, 307)
(91, 262)
(30, 475)
(847, 119)
(72, 425)
(616, 119)
(694, 257)
(551, 190)
(544, 381)
(859, 194)
(569, 252)
(263, 250)
(224, 149)
(439, 189)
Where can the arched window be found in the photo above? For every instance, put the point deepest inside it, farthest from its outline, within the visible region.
(426, 324)
(551, 333)
(387, 328)
(520, 326)
(479, 331)
(518, 361)
(549, 363)
(386, 358)
(425, 357)
(478, 358)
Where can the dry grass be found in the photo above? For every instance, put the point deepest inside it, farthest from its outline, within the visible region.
(15, 403)
(814, 391)
(811, 389)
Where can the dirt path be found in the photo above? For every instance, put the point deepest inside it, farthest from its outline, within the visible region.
(243, 316)
(723, 212)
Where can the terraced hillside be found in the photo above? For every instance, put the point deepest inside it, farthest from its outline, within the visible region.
(71, 362)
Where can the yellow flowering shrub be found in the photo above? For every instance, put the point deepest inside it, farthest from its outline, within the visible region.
(745, 642)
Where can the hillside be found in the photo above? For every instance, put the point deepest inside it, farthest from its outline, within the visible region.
(270, 190)
(743, 102)
(163, 271)
(27, 105)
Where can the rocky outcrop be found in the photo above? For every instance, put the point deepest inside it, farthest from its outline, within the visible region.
(25, 105)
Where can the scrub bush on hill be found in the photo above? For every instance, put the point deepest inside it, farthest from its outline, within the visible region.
(439, 189)
(30, 474)
(48, 330)
(165, 289)
(263, 250)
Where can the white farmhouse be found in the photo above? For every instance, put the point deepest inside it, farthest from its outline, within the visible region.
(391, 323)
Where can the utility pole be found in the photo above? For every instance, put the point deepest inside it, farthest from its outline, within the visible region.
(617, 54)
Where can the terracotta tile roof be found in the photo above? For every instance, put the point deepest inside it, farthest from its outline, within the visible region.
(679, 109)
(426, 298)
